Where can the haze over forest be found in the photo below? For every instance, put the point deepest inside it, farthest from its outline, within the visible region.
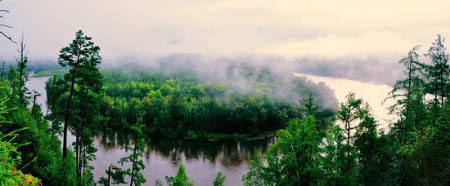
(224, 92)
(320, 38)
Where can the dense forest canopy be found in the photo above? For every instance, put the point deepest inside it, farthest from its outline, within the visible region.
(178, 103)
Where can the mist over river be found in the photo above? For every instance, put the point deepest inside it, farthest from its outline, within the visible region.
(204, 159)
(373, 94)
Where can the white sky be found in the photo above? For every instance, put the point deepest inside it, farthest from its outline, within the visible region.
(325, 28)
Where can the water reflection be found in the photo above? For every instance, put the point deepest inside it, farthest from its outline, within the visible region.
(229, 157)
(203, 159)
(229, 153)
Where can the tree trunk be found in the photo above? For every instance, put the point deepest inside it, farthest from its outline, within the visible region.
(78, 157)
(134, 160)
(66, 118)
(109, 176)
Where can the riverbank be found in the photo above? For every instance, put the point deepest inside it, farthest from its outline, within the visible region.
(217, 137)
(48, 73)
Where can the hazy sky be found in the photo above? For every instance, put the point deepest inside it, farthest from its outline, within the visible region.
(228, 27)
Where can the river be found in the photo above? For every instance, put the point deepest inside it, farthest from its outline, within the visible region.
(372, 94)
(162, 157)
(204, 159)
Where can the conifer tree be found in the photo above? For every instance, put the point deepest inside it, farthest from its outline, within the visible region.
(438, 72)
(81, 53)
(22, 75)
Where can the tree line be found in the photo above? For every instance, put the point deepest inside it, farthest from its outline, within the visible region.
(414, 150)
(310, 148)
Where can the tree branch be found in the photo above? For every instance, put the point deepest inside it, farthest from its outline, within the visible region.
(7, 26)
(8, 37)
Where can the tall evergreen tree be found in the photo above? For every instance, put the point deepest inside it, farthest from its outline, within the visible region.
(369, 157)
(81, 53)
(22, 75)
(438, 72)
(409, 105)
(349, 114)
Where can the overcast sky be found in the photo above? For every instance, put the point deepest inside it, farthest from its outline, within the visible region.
(325, 28)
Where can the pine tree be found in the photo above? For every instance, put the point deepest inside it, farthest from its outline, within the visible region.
(180, 179)
(409, 95)
(438, 72)
(348, 114)
(220, 180)
(22, 76)
(81, 53)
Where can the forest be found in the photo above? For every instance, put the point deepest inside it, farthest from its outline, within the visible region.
(314, 145)
(314, 139)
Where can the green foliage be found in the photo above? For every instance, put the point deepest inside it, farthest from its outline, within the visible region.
(9, 159)
(158, 183)
(415, 151)
(181, 179)
(74, 100)
(303, 156)
(81, 57)
(185, 106)
(254, 176)
(38, 152)
(117, 175)
(293, 159)
(438, 72)
(334, 157)
(312, 150)
(220, 180)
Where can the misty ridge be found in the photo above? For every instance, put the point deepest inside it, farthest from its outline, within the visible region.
(270, 75)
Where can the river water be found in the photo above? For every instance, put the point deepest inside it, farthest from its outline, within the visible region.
(373, 94)
(204, 159)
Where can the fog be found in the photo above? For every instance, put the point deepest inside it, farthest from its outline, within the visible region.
(257, 32)
(373, 94)
(270, 75)
(285, 28)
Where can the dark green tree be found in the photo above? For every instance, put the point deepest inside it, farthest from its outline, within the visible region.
(80, 54)
(370, 157)
(438, 72)
(22, 75)
(409, 105)
(116, 175)
(180, 179)
(219, 180)
(334, 157)
(349, 116)
(294, 159)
